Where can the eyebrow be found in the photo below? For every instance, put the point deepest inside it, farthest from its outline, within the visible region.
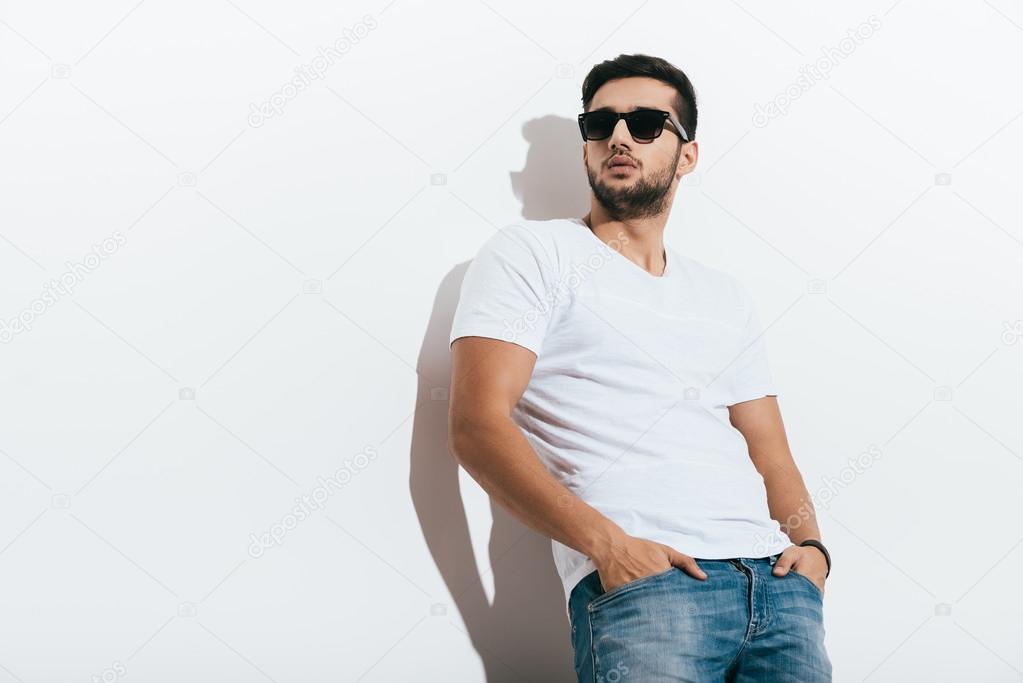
(634, 108)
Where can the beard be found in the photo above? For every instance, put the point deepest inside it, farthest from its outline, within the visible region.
(644, 198)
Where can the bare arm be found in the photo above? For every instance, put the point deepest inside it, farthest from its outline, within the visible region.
(488, 377)
(760, 423)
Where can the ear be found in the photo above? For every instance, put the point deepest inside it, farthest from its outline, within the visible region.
(687, 159)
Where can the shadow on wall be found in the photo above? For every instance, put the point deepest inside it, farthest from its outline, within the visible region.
(524, 634)
(553, 183)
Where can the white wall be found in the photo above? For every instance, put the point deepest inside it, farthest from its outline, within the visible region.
(273, 293)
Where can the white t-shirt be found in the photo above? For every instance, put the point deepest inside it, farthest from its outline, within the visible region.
(627, 404)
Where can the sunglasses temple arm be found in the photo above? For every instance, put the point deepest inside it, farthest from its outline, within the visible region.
(678, 128)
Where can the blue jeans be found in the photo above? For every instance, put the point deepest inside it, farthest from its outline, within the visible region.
(742, 624)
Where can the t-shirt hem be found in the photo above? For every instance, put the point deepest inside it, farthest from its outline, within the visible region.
(530, 346)
(751, 394)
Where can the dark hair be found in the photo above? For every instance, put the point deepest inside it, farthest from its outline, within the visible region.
(625, 66)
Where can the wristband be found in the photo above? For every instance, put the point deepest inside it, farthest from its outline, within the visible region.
(820, 546)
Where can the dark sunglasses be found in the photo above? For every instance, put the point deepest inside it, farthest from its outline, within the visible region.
(644, 124)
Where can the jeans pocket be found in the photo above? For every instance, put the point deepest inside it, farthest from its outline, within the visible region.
(807, 579)
(607, 596)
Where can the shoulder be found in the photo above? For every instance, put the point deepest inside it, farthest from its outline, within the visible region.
(548, 232)
(550, 242)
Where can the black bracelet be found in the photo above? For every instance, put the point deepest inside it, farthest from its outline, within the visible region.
(820, 546)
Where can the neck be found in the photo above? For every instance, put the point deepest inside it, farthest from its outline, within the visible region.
(641, 239)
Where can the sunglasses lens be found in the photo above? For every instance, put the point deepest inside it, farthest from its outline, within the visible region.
(599, 125)
(645, 125)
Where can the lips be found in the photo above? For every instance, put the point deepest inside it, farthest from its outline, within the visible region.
(621, 160)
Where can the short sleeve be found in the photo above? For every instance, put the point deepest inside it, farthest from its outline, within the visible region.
(751, 373)
(508, 291)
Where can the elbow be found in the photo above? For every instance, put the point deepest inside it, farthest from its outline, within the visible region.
(467, 433)
(454, 447)
(476, 421)
(459, 432)
(461, 448)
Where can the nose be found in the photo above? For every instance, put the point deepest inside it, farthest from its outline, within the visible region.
(620, 136)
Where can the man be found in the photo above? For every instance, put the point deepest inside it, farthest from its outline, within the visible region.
(615, 396)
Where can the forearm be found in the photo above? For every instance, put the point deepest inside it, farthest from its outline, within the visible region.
(496, 453)
(790, 504)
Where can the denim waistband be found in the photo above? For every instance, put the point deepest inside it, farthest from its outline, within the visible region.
(769, 559)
